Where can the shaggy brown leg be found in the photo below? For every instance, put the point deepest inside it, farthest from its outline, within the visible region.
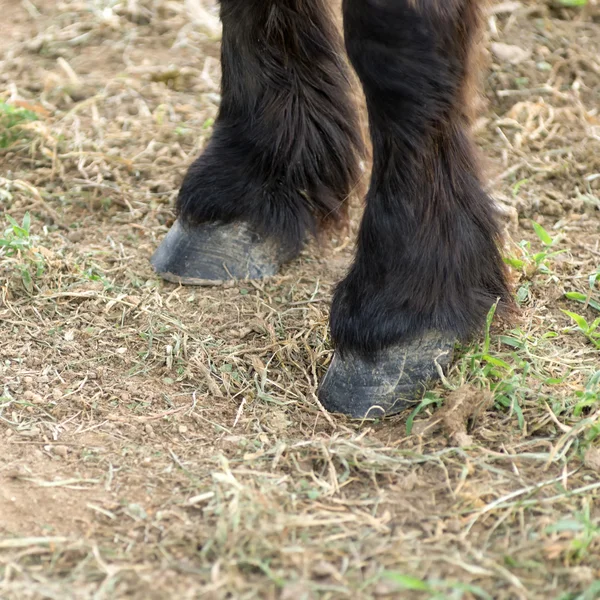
(427, 267)
(283, 156)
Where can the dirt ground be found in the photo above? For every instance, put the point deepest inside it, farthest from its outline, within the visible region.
(162, 442)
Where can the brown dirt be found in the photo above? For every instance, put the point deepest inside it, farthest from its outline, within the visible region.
(166, 442)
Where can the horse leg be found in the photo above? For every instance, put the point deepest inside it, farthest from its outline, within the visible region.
(283, 156)
(427, 266)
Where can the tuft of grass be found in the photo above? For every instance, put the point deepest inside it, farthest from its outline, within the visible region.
(588, 298)
(585, 532)
(590, 330)
(588, 397)
(11, 120)
(19, 246)
(435, 589)
(532, 261)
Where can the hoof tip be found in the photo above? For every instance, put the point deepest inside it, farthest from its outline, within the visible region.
(213, 253)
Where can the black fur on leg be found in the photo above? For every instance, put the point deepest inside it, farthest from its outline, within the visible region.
(427, 255)
(284, 153)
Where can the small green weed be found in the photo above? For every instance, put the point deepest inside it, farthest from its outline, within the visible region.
(585, 530)
(583, 299)
(436, 589)
(531, 262)
(590, 330)
(18, 245)
(11, 120)
(587, 299)
(588, 397)
(573, 3)
(592, 593)
(512, 368)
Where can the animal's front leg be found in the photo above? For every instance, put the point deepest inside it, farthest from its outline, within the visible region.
(283, 156)
(427, 267)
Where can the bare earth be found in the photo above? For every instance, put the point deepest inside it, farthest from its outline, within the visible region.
(160, 442)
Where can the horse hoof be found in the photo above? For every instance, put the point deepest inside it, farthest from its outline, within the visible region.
(392, 380)
(213, 253)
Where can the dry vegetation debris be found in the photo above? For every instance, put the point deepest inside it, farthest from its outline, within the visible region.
(166, 442)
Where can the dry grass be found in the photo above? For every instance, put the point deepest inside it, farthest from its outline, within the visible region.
(166, 442)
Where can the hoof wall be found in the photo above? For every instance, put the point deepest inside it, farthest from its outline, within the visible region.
(394, 379)
(214, 253)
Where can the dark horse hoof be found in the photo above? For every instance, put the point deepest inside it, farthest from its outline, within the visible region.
(213, 253)
(392, 380)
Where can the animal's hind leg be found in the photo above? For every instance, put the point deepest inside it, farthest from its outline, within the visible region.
(427, 268)
(283, 156)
